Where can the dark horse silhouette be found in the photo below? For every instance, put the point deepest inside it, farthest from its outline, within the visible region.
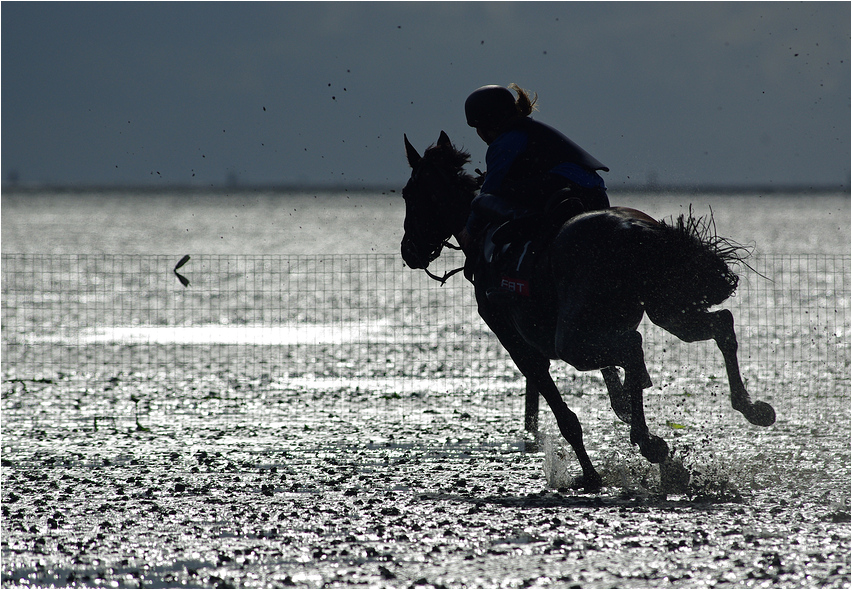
(592, 283)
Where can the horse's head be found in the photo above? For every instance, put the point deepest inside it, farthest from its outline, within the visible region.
(437, 200)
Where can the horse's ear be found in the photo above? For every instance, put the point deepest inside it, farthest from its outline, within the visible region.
(444, 140)
(413, 156)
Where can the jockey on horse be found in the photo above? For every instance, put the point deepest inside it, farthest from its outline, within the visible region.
(536, 178)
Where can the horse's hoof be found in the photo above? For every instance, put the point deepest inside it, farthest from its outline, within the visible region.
(587, 483)
(654, 449)
(761, 414)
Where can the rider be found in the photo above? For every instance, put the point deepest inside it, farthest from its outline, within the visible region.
(527, 162)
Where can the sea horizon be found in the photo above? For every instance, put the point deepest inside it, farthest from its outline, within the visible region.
(720, 189)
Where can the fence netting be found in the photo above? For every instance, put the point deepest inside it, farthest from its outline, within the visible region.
(94, 341)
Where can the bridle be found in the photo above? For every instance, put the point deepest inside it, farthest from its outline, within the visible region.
(417, 229)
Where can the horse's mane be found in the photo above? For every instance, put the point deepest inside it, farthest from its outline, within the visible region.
(447, 157)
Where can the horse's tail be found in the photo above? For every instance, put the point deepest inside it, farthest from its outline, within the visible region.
(687, 267)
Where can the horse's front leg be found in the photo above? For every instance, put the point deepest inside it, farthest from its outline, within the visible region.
(536, 368)
(538, 372)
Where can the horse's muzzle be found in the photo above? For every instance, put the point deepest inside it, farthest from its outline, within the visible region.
(410, 254)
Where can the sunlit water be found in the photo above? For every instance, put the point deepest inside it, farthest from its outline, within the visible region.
(198, 468)
(280, 335)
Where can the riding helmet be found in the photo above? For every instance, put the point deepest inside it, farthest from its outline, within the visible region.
(489, 106)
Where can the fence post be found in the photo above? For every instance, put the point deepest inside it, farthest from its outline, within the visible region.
(531, 408)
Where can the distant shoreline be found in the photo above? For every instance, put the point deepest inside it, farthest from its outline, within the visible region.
(285, 189)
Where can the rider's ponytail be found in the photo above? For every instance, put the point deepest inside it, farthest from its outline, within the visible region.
(523, 104)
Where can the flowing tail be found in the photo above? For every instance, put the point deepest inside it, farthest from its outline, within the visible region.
(687, 266)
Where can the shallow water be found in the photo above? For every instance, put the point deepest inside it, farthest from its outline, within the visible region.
(183, 464)
(324, 497)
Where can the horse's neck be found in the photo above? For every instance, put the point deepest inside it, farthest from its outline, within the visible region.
(463, 208)
(462, 223)
(457, 234)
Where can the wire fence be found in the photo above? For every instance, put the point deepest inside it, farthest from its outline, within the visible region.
(89, 340)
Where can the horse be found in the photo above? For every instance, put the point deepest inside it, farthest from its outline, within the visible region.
(593, 281)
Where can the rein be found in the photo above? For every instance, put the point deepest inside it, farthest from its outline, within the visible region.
(449, 273)
(446, 276)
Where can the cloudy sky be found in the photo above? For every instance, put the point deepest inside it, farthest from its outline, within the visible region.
(322, 92)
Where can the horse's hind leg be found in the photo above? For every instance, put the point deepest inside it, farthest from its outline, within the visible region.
(759, 413)
(588, 349)
(636, 379)
(719, 325)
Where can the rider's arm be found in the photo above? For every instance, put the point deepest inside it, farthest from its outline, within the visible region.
(499, 158)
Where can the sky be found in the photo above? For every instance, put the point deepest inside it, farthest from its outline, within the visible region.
(320, 93)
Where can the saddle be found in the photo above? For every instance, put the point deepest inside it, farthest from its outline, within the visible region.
(559, 208)
(511, 248)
